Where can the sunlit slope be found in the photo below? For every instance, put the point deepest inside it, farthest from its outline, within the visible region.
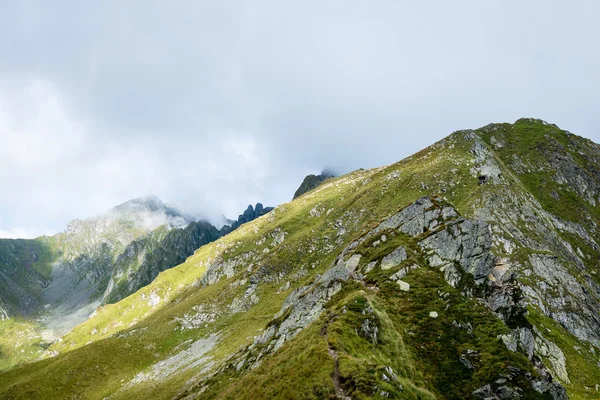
(310, 301)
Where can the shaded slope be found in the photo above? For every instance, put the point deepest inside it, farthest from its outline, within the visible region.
(145, 258)
(25, 270)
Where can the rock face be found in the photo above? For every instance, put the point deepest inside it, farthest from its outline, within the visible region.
(466, 243)
(25, 267)
(394, 258)
(145, 258)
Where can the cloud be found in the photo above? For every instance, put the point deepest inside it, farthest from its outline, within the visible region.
(54, 164)
(57, 166)
(223, 103)
(17, 233)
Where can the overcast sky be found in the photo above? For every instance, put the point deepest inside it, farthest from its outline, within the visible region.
(224, 103)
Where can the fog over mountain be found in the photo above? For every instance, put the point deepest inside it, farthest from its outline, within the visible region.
(222, 104)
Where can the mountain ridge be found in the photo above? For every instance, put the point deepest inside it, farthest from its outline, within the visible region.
(450, 274)
(312, 181)
(55, 282)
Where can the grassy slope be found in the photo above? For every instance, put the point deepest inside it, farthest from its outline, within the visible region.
(532, 142)
(108, 350)
(423, 352)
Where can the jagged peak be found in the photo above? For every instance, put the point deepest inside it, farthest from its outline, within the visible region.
(312, 181)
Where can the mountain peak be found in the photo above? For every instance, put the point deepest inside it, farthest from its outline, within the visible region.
(312, 181)
(477, 256)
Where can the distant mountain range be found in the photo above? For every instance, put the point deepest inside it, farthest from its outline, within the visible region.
(61, 279)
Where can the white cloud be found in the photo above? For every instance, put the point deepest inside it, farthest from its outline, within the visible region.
(219, 104)
(22, 233)
(35, 131)
(57, 166)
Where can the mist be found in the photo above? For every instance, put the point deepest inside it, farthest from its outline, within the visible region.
(218, 105)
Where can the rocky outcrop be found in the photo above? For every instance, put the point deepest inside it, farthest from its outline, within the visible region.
(532, 343)
(145, 258)
(561, 296)
(250, 214)
(311, 182)
(463, 242)
(555, 276)
(302, 307)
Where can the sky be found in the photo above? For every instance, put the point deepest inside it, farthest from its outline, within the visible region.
(218, 104)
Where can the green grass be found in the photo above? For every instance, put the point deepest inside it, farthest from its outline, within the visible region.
(20, 341)
(582, 359)
(104, 353)
(532, 142)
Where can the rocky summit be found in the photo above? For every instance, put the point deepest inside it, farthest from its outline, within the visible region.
(469, 270)
(312, 181)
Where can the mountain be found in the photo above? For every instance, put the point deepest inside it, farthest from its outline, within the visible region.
(52, 284)
(25, 270)
(312, 181)
(48, 285)
(468, 270)
(69, 268)
(250, 214)
(145, 258)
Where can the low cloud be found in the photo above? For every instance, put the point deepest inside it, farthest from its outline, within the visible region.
(57, 167)
(222, 104)
(22, 233)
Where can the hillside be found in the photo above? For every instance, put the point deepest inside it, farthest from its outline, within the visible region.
(49, 285)
(468, 270)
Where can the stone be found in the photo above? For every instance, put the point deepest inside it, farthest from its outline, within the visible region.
(554, 355)
(394, 258)
(521, 338)
(483, 392)
(403, 272)
(370, 266)
(305, 304)
(369, 330)
(404, 286)
(433, 314)
(353, 262)
(507, 393)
